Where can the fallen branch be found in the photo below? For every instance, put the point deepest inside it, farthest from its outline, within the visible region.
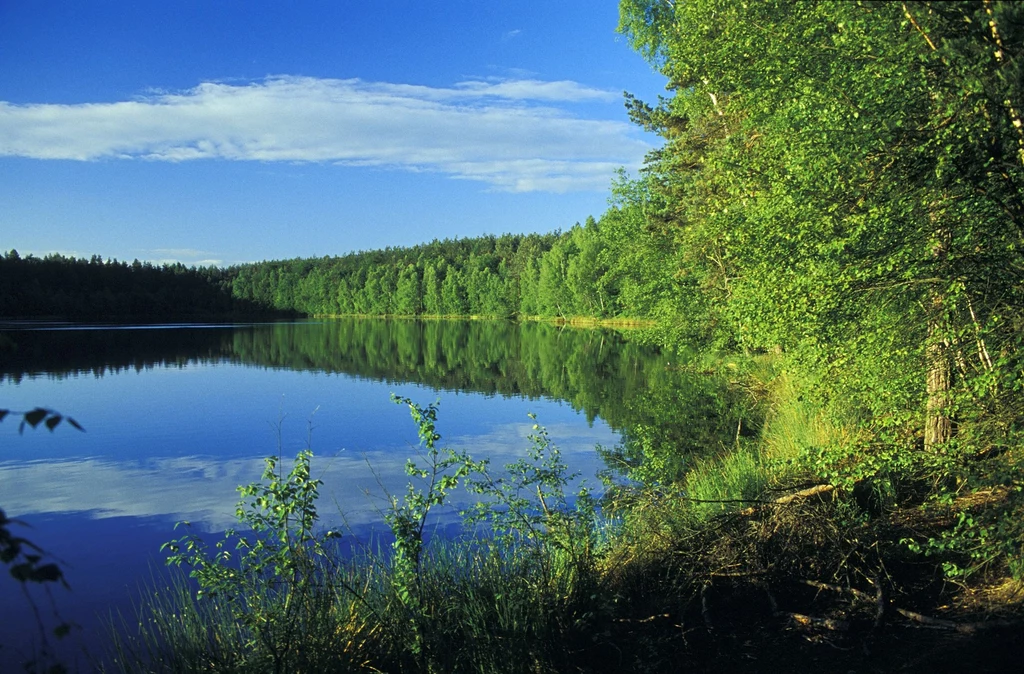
(789, 498)
(938, 623)
(811, 621)
(880, 600)
(650, 619)
(963, 628)
(805, 493)
(925, 620)
(859, 594)
(738, 574)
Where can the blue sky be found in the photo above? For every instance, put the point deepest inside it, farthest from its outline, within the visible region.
(232, 131)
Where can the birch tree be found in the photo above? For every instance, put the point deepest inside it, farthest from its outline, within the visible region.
(845, 179)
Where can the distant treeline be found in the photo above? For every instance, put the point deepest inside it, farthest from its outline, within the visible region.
(608, 268)
(71, 288)
(614, 267)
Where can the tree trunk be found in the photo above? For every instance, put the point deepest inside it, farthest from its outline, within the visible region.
(938, 426)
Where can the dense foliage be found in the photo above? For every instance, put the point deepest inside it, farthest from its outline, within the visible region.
(608, 268)
(612, 267)
(70, 288)
(845, 184)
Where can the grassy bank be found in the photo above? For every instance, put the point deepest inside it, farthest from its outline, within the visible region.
(590, 322)
(574, 321)
(762, 557)
(768, 557)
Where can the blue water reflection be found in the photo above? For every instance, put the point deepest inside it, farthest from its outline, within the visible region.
(171, 441)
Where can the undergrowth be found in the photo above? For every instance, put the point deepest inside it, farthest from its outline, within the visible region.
(791, 528)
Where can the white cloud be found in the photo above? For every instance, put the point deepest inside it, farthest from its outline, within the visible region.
(537, 90)
(24, 252)
(187, 256)
(506, 133)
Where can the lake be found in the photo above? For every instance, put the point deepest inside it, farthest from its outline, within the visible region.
(177, 416)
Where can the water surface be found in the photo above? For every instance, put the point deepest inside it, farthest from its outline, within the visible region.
(178, 416)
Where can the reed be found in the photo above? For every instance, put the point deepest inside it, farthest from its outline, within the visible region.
(487, 607)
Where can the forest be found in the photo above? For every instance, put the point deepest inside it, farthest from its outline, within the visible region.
(68, 288)
(836, 213)
(603, 269)
(607, 268)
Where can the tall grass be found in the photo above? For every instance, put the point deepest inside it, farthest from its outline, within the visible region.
(796, 424)
(488, 607)
(745, 470)
(173, 630)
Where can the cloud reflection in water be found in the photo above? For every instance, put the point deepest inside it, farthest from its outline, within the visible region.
(202, 489)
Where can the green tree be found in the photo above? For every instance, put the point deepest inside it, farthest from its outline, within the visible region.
(845, 181)
(644, 262)
(453, 293)
(528, 288)
(553, 296)
(431, 291)
(408, 300)
(585, 273)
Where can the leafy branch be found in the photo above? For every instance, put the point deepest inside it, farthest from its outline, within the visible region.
(26, 561)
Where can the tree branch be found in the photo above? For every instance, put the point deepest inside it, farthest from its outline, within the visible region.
(906, 12)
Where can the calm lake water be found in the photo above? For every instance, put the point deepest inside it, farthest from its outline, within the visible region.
(177, 416)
